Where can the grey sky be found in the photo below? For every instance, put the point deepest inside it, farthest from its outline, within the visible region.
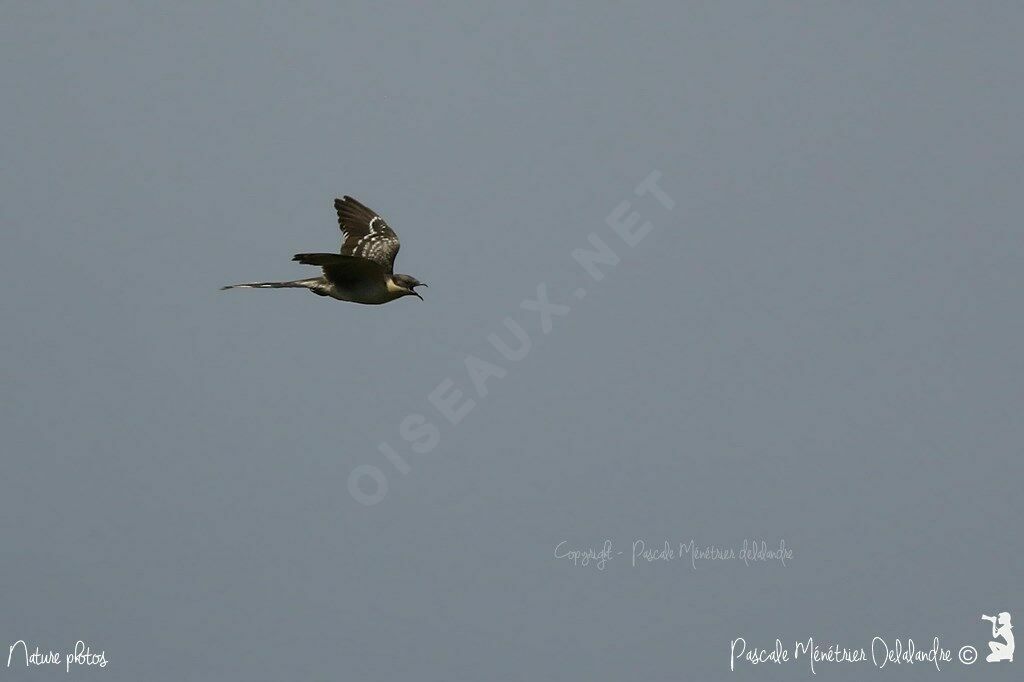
(819, 343)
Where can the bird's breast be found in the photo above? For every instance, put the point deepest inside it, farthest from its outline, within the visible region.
(369, 293)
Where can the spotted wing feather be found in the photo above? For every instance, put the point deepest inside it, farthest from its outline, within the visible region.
(365, 234)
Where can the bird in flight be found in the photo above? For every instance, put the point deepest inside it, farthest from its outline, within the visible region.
(364, 270)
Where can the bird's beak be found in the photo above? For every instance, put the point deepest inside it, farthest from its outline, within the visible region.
(416, 294)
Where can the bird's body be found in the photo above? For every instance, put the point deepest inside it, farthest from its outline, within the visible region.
(364, 270)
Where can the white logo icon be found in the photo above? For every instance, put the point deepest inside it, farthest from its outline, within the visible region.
(1001, 629)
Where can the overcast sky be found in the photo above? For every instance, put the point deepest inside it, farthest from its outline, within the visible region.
(811, 333)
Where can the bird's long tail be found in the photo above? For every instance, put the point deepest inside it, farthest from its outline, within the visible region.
(294, 284)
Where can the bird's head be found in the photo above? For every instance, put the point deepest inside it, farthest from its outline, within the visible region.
(408, 284)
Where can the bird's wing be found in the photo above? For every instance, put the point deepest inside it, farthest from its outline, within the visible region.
(344, 270)
(365, 234)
